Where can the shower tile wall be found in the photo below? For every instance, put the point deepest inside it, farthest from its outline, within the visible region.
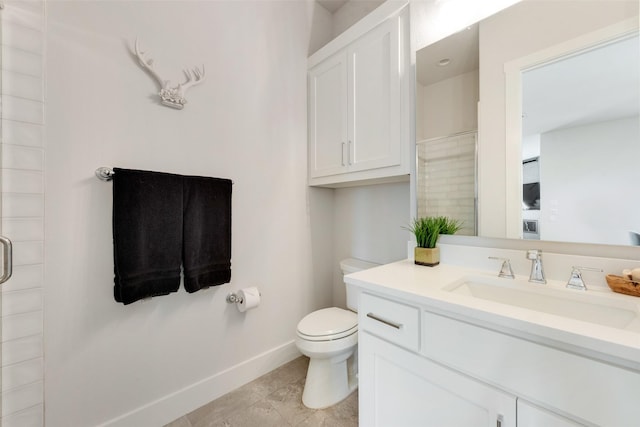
(22, 209)
(446, 179)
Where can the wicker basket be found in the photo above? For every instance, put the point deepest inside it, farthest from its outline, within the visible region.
(622, 285)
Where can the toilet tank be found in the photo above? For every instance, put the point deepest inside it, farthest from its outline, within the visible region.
(352, 265)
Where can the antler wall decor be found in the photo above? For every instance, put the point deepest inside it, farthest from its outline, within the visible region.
(171, 96)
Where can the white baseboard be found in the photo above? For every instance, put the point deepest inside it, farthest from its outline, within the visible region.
(181, 402)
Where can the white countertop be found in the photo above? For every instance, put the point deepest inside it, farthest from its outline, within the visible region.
(422, 286)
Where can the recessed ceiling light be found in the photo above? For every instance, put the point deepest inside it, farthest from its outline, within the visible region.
(444, 62)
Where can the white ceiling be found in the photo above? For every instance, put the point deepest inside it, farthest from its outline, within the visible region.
(332, 5)
(461, 48)
(597, 85)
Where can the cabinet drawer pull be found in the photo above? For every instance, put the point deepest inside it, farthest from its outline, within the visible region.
(349, 152)
(386, 322)
(499, 420)
(343, 144)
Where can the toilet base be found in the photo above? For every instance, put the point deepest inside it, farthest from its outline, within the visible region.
(329, 381)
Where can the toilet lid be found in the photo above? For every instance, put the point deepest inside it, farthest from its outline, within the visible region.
(333, 321)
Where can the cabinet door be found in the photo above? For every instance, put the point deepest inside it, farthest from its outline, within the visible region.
(532, 416)
(374, 107)
(399, 388)
(328, 117)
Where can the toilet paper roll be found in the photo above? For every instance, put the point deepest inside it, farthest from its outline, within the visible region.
(250, 299)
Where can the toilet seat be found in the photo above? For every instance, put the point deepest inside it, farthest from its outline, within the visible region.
(328, 324)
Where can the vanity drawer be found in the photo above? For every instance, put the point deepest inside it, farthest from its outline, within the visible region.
(391, 320)
(578, 386)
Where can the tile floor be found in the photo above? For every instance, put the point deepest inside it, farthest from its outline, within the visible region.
(275, 399)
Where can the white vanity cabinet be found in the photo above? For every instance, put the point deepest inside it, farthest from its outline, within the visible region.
(419, 366)
(399, 387)
(358, 105)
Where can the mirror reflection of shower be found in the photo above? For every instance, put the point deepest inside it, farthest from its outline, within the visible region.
(447, 94)
(447, 177)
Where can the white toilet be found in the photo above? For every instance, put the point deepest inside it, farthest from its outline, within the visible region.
(329, 337)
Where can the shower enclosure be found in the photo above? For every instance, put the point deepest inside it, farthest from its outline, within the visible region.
(446, 182)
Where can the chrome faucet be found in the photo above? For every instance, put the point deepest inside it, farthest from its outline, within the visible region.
(575, 279)
(537, 273)
(505, 270)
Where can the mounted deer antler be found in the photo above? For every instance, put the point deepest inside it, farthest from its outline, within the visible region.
(171, 96)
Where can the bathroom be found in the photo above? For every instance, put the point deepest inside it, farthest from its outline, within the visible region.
(75, 99)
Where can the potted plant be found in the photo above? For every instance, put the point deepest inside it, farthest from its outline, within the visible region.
(427, 230)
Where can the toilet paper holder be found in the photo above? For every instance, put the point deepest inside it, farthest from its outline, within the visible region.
(234, 299)
(245, 299)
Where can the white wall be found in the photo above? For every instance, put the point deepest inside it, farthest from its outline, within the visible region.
(530, 146)
(589, 181)
(449, 106)
(368, 223)
(246, 122)
(321, 26)
(504, 37)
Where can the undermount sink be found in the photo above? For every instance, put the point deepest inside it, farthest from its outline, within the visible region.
(592, 306)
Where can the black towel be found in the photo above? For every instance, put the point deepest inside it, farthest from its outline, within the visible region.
(207, 232)
(147, 233)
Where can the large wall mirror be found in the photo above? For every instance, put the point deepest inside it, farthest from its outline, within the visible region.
(529, 122)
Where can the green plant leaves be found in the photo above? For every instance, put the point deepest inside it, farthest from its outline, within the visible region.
(428, 229)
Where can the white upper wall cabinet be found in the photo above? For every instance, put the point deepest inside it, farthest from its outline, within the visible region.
(358, 102)
(374, 106)
(328, 133)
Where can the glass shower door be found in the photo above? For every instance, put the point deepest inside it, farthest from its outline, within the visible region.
(9, 243)
(5, 274)
(22, 62)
